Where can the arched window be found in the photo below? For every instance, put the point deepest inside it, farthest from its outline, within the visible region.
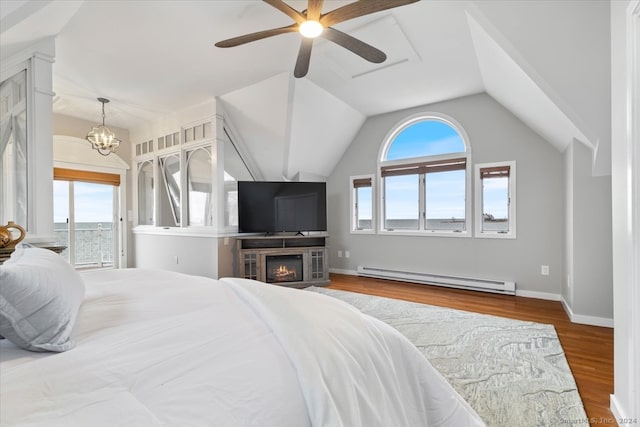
(200, 186)
(146, 214)
(423, 176)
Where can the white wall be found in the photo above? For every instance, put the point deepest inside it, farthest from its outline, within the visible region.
(283, 123)
(172, 122)
(201, 253)
(588, 285)
(495, 135)
(567, 284)
(184, 254)
(625, 402)
(575, 69)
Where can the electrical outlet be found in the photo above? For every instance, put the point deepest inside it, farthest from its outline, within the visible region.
(176, 258)
(544, 270)
(347, 254)
(339, 254)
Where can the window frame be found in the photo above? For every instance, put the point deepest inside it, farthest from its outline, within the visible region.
(479, 202)
(353, 200)
(433, 161)
(209, 205)
(69, 172)
(11, 193)
(176, 204)
(140, 164)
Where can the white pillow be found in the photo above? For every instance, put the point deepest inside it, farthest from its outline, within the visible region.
(40, 295)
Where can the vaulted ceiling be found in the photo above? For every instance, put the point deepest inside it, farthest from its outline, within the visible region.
(547, 62)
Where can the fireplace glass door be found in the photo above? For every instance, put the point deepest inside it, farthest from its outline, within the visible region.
(284, 268)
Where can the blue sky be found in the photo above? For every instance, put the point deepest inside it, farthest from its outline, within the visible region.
(496, 193)
(445, 191)
(425, 138)
(364, 203)
(444, 196)
(93, 202)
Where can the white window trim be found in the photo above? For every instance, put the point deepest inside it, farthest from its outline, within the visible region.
(395, 130)
(428, 115)
(187, 160)
(136, 207)
(466, 233)
(479, 202)
(352, 204)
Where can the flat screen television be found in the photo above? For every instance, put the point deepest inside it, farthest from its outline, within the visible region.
(273, 207)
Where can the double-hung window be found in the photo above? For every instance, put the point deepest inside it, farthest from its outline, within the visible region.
(424, 180)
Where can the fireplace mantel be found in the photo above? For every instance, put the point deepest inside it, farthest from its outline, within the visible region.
(253, 252)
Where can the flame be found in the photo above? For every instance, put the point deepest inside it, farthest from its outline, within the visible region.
(282, 271)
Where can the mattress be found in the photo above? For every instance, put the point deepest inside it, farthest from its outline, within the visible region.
(163, 348)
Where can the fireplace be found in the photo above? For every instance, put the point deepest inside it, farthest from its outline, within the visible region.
(284, 268)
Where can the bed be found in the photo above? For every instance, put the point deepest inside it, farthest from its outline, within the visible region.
(147, 348)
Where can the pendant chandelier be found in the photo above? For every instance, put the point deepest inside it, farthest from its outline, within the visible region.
(101, 137)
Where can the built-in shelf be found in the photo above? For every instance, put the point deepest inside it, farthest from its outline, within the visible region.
(257, 255)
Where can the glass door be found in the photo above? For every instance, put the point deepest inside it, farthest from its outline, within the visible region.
(85, 220)
(61, 215)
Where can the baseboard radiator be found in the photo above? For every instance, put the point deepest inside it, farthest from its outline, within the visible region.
(495, 286)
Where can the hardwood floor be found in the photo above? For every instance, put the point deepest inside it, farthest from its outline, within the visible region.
(588, 349)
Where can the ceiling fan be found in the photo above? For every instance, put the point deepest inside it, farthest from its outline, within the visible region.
(311, 23)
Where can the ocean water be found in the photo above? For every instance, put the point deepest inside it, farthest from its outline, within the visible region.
(435, 224)
(94, 243)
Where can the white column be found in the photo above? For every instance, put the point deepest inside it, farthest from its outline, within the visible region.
(39, 59)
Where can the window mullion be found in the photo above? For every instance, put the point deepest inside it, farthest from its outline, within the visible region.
(71, 227)
(356, 214)
(383, 205)
(422, 202)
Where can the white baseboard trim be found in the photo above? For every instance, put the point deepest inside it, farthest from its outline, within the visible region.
(343, 271)
(584, 319)
(538, 295)
(575, 318)
(520, 293)
(617, 410)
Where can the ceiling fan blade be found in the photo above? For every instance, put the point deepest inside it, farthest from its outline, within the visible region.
(360, 8)
(286, 9)
(247, 38)
(314, 10)
(304, 56)
(356, 46)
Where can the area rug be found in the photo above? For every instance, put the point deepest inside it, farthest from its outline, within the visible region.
(513, 373)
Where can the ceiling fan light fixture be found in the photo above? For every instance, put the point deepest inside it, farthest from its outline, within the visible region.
(311, 23)
(311, 29)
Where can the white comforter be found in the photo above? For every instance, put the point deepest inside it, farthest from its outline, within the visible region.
(159, 348)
